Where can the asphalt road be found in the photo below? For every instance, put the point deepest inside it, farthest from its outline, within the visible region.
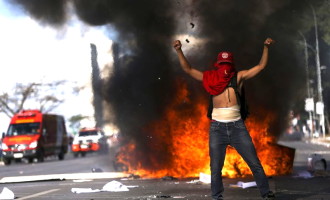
(52, 165)
(306, 149)
(296, 186)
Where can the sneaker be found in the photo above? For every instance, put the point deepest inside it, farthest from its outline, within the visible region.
(269, 196)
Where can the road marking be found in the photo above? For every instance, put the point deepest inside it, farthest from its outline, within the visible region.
(71, 176)
(38, 194)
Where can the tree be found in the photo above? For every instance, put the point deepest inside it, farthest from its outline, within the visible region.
(75, 122)
(323, 18)
(42, 96)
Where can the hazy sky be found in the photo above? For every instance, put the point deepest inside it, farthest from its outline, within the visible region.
(31, 52)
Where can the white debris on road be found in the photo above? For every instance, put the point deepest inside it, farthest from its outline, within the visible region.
(113, 186)
(7, 194)
(205, 178)
(241, 184)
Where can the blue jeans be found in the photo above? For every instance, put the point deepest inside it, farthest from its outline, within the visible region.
(235, 135)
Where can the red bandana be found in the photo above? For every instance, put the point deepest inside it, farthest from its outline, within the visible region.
(215, 81)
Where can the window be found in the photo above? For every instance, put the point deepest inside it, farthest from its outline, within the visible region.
(23, 129)
(87, 133)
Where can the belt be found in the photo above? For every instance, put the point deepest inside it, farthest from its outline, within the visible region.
(225, 123)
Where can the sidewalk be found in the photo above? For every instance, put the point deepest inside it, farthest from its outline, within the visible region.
(321, 141)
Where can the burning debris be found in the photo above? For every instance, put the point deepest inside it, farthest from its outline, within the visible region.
(133, 176)
(168, 178)
(192, 25)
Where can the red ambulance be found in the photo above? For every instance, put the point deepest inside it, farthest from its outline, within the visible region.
(32, 134)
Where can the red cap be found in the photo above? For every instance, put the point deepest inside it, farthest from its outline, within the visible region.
(225, 56)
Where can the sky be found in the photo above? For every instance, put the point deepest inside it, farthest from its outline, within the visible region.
(31, 52)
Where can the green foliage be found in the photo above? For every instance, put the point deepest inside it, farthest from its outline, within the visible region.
(324, 20)
(75, 122)
(305, 18)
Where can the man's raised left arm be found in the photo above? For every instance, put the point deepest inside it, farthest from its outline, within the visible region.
(247, 74)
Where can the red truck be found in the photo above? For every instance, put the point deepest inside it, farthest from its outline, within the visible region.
(32, 134)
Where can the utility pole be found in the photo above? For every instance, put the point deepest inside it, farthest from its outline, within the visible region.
(309, 97)
(320, 104)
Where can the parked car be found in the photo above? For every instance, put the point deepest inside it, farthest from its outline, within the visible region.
(89, 140)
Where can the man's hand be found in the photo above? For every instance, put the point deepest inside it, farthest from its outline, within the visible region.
(268, 42)
(177, 45)
(185, 65)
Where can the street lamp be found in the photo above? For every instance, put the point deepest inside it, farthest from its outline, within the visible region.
(309, 102)
(320, 103)
(318, 71)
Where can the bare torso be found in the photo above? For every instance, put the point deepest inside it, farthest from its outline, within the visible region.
(228, 97)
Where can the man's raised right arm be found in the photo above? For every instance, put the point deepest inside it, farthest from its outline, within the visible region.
(198, 75)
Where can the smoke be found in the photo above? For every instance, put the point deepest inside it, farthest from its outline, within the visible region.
(142, 82)
(46, 12)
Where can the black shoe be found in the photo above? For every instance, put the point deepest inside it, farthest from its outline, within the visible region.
(219, 198)
(269, 196)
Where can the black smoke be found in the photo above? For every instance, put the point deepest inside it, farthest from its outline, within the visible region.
(46, 12)
(145, 68)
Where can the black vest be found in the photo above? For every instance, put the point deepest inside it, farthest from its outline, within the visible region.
(239, 96)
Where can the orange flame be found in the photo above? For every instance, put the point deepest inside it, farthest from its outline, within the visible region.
(183, 131)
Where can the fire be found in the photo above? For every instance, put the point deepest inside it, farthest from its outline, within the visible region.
(178, 145)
